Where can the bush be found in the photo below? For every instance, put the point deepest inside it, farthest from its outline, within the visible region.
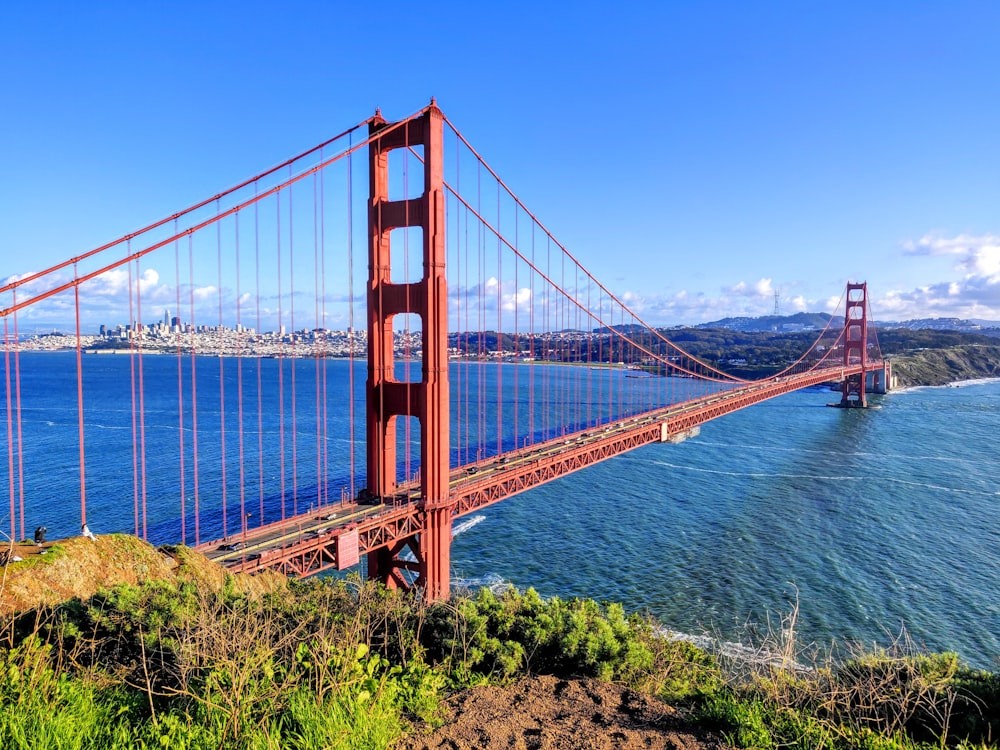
(492, 636)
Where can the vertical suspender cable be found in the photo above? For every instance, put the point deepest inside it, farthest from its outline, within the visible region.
(222, 379)
(79, 407)
(467, 363)
(319, 348)
(531, 340)
(468, 359)
(499, 449)
(142, 399)
(324, 489)
(180, 389)
(294, 358)
(547, 326)
(350, 314)
(17, 401)
(10, 431)
(456, 435)
(481, 324)
(194, 391)
(260, 380)
(281, 360)
(239, 372)
(132, 378)
(590, 346)
(562, 325)
(517, 347)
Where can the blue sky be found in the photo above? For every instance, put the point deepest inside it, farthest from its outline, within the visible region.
(696, 156)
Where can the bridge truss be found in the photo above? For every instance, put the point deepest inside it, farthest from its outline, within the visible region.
(491, 362)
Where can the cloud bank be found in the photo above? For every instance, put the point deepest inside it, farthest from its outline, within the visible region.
(974, 291)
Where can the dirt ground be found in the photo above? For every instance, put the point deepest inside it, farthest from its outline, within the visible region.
(546, 713)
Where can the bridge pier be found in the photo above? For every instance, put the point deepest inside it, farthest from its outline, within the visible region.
(386, 564)
(435, 547)
(430, 568)
(881, 380)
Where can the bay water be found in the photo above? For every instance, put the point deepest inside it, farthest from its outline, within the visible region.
(871, 522)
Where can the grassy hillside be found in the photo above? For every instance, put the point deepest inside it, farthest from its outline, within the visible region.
(942, 366)
(186, 655)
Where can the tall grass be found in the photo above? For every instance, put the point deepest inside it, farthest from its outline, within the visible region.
(347, 664)
(889, 698)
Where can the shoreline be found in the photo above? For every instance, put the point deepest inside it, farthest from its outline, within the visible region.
(951, 384)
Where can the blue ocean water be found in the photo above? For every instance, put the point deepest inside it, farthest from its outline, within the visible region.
(873, 521)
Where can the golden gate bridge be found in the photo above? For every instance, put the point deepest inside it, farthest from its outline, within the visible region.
(493, 361)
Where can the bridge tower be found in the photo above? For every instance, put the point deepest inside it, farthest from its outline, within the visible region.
(855, 345)
(387, 397)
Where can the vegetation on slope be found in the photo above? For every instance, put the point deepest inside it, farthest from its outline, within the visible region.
(943, 366)
(203, 659)
(920, 357)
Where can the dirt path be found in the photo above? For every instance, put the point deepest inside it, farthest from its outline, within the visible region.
(549, 713)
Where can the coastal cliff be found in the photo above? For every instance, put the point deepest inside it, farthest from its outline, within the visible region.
(947, 365)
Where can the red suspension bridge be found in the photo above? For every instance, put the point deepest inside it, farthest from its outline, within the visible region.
(490, 361)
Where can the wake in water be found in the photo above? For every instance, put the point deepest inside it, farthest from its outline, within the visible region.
(462, 526)
(459, 528)
(734, 651)
(490, 581)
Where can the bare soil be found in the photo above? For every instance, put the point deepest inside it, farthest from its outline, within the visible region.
(547, 713)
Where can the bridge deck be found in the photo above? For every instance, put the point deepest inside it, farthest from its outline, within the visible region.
(313, 542)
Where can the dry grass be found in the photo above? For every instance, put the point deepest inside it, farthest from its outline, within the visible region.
(79, 568)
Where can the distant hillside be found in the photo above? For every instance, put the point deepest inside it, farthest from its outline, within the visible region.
(943, 366)
(924, 356)
(817, 321)
(780, 323)
(984, 327)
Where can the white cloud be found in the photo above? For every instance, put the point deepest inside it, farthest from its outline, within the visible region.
(116, 282)
(974, 294)
(517, 300)
(760, 288)
(202, 293)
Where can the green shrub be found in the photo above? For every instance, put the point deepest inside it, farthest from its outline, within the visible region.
(506, 635)
(347, 663)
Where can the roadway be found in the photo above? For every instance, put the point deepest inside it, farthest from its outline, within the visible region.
(315, 541)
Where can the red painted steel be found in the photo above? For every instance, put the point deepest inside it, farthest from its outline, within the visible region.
(311, 544)
(855, 345)
(388, 398)
(403, 527)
